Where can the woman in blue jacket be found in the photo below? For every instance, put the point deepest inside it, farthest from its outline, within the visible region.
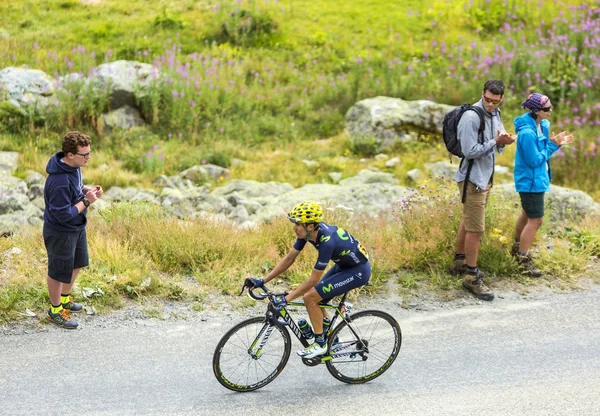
(532, 172)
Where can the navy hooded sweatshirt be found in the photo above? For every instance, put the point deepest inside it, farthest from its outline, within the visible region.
(63, 189)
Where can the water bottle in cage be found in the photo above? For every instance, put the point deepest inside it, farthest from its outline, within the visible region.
(305, 328)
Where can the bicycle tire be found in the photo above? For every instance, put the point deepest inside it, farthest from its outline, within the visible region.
(358, 361)
(234, 373)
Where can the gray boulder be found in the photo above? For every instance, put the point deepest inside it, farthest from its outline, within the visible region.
(196, 173)
(8, 162)
(118, 194)
(123, 118)
(27, 87)
(262, 192)
(35, 178)
(13, 183)
(415, 175)
(564, 203)
(367, 176)
(442, 169)
(124, 79)
(388, 120)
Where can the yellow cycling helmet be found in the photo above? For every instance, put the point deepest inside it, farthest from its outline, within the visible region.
(307, 212)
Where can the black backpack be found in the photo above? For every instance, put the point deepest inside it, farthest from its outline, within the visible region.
(450, 134)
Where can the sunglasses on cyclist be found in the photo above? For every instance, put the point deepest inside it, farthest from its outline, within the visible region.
(86, 155)
(490, 101)
(546, 109)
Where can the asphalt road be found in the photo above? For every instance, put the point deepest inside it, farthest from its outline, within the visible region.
(509, 357)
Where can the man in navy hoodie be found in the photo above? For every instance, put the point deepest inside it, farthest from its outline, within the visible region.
(67, 200)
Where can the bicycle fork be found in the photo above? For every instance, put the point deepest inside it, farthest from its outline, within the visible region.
(261, 339)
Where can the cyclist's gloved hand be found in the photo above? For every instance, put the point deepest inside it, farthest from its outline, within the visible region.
(279, 301)
(255, 282)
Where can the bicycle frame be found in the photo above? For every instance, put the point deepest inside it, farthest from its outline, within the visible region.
(274, 314)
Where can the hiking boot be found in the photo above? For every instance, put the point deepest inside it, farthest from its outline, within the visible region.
(62, 318)
(526, 262)
(312, 350)
(72, 306)
(514, 251)
(474, 284)
(458, 267)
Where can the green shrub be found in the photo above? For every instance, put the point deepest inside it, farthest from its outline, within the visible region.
(246, 28)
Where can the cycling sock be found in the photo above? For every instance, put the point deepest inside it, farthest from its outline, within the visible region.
(460, 256)
(56, 309)
(320, 339)
(64, 298)
(326, 325)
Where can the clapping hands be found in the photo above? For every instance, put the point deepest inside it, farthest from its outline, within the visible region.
(561, 138)
(505, 138)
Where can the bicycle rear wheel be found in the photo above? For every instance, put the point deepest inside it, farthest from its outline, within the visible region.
(239, 362)
(366, 348)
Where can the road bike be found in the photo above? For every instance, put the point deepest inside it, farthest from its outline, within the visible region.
(360, 348)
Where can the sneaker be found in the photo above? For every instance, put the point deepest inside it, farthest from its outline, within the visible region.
(514, 251)
(458, 267)
(63, 318)
(527, 264)
(475, 285)
(72, 306)
(312, 350)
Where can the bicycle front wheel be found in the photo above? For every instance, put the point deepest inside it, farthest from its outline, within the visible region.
(366, 348)
(251, 354)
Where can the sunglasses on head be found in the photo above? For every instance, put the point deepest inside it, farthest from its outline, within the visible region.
(490, 101)
(546, 109)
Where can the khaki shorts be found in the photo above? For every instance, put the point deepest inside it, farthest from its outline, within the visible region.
(474, 207)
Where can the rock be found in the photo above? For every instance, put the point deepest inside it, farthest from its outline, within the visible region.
(381, 156)
(563, 203)
(8, 162)
(35, 178)
(124, 79)
(374, 199)
(311, 164)
(392, 162)
(27, 87)
(35, 191)
(16, 210)
(118, 194)
(4, 34)
(367, 176)
(12, 183)
(388, 120)
(442, 169)
(15, 251)
(216, 170)
(124, 118)
(335, 176)
(262, 192)
(239, 214)
(164, 181)
(415, 175)
(196, 173)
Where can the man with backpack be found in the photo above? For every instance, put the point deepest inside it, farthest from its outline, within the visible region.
(480, 132)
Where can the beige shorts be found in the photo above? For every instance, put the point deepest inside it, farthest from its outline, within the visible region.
(474, 207)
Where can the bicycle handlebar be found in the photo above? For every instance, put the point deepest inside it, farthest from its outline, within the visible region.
(266, 293)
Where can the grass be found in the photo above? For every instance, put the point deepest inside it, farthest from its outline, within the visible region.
(138, 252)
(268, 83)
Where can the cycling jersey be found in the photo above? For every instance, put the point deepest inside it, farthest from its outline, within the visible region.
(337, 245)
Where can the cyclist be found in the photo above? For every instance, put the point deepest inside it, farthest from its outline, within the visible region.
(351, 268)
